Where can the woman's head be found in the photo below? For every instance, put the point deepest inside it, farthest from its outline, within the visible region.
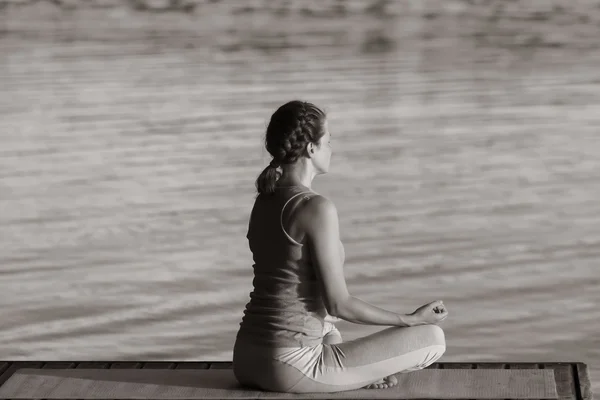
(297, 132)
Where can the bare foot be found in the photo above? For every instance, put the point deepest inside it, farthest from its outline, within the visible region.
(387, 382)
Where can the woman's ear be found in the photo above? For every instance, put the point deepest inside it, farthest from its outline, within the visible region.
(310, 149)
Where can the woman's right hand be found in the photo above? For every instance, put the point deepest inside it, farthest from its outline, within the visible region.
(431, 314)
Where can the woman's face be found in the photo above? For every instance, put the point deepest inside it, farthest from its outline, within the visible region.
(322, 155)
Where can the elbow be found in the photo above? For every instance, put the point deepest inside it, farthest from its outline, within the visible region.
(337, 308)
(333, 311)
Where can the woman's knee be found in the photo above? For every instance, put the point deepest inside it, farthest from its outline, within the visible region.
(427, 335)
(437, 334)
(432, 347)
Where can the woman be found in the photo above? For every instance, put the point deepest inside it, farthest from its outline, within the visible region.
(286, 341)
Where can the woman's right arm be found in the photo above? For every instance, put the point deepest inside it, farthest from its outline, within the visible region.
(320, 221)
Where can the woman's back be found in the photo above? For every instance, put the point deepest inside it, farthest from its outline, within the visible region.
(286, 307)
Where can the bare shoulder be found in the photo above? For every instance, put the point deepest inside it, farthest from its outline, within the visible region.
(316, 211)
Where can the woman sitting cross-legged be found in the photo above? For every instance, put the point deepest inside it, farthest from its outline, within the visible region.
(287, 341)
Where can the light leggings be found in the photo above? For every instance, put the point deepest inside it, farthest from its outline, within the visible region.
(330, 368)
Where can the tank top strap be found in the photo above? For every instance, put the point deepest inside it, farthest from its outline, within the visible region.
(298, 199)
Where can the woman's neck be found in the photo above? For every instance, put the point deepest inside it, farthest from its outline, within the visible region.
(296, 175)
(290, 184)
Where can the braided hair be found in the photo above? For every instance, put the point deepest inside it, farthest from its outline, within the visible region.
(292, 127)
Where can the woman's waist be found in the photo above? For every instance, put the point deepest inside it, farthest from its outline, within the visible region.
(273, 346)
(243, 339)
(273, 319)
(282, 306)
(284, 334)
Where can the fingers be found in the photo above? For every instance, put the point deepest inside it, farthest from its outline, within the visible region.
(439, 308)
(442, 315)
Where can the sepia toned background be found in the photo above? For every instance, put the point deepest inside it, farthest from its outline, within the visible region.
(466, 168)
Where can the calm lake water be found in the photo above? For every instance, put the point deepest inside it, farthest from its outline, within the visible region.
(466, 168)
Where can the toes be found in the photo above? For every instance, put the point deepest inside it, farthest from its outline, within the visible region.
(384, 383)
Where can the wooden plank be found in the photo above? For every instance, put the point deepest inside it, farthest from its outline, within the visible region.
(523, 366)
(572, 379)
(565, 383)
(221, 365)
(192, 365)
(93, 364)
(126, 365)
(453, 365)
(491, 365)
(17, 365)
(435, 365)
(159, 365)
(59, 365)
(582, 379)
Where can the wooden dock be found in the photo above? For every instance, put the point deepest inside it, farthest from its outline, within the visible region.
(572, 379)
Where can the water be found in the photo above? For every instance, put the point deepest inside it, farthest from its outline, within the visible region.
(465, 168)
